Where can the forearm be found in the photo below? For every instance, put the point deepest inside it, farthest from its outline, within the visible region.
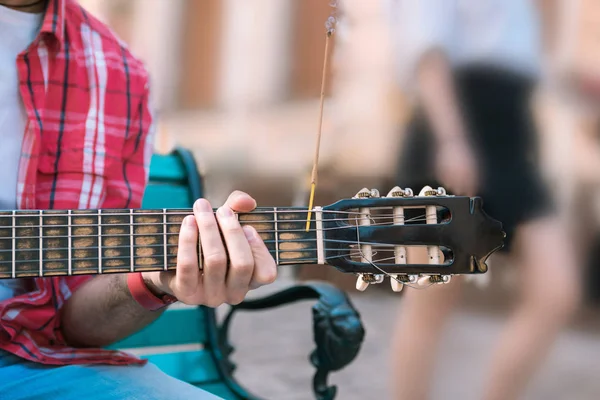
(438, 98)
(102, 311)
(549, 22)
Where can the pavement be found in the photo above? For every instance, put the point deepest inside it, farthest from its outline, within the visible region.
(272, 349)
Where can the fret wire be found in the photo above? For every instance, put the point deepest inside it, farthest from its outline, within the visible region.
(40, 239)
(165, 237)
(68, 250)
(276, 235)
(14, 247)
(99, 241)
(131, 240)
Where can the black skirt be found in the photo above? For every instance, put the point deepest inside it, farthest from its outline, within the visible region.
(496, 108)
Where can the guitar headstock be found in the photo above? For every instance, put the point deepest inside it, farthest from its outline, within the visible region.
(370, 235)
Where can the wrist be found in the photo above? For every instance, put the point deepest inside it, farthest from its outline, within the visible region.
(153, 283)
(147, 293)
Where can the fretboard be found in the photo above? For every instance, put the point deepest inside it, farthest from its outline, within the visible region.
(64, 242)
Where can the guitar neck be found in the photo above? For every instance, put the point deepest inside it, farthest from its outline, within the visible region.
(45, 243)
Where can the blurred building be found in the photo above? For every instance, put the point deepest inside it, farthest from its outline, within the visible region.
(239, 83)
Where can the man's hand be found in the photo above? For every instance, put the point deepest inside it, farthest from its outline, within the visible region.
(456, 167)
(233, 263)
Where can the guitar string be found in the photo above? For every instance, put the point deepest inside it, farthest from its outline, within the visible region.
(160, 233)
(123, 257)
(151, 234)
(185, 212)
(292, 261)
(160, 267)
(381, 270)
(418, 218)
(171, 245)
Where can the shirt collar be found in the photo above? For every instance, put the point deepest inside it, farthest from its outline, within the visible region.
(54, 20)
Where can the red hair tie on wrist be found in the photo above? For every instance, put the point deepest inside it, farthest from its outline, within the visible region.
(141, 294)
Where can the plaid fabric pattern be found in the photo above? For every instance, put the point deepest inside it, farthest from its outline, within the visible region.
(87, 144)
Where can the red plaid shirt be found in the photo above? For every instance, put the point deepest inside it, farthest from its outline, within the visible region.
(87, 144)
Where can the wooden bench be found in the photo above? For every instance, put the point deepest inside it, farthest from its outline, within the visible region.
(189, 343)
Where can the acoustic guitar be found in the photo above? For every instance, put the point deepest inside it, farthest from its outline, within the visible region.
(365, 235)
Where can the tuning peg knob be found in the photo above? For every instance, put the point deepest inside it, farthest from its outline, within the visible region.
(366, 193)
(361, 284)
(396, 285)
(428, 191)
(397, 191)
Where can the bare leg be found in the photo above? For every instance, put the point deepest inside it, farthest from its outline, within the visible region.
(550, 295)
(418, 331)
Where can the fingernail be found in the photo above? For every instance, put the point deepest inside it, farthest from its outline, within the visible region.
(236, 195)
(202, 205)
(189, 220)
(225, 212)
(249, 232)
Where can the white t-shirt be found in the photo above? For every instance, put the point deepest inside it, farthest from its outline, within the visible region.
(17, 31)
(501, 33)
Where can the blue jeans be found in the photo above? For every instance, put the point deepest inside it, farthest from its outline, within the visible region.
(21, 379)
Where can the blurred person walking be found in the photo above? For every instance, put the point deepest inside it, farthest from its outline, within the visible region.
(471, 67)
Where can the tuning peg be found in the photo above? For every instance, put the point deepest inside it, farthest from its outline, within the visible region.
(425, 280)
(396, 285)
(398, 281)
(361, 284)
(429, 191)
(366, 193)
(397, 191)
(364, 280)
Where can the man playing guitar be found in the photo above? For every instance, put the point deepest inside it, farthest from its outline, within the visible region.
(77, 132)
